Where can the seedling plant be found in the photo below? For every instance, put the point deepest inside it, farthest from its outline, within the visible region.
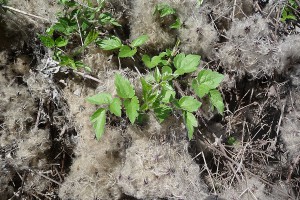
(82, 25)
(159, 94)
(164, 10)
(290, 11)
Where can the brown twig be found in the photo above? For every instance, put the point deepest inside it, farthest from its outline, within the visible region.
(177, 86)
(222, 153)
(87, 76)
(46, 177)
(38, 115)
(209, 173)
(292, 167)
(25, 13)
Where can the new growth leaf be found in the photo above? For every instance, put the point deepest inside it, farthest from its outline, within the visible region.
(99, 119)
(124, 88)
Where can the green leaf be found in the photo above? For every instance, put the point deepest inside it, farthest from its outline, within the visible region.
(164, 10)
(111, 43)
(67, 61)
(65, 25)
(101, 3)
(178, 60)
(166, 70)
(186, 64)
(206, 81)
(167, 73)
(3, 2)
(126, 51)
(100, 99)
(217, 100)
(146, 87)
(147, 61)
(191, 122)
(84, 25)
(152, 98)
(132, 106)
(87, 68)
(60, 27)
(106, 18)
(200, 90)
(157, 75)
(199, 2)
(151, 63)
(123, 86)
(231, 140)
(176, 24)
(162, 112)
(167, 95)
(61, 42)
(47, 41)
(156, 60)
(99, 119)
(150, 78)
(68, 3)
(210, 78)
(115, 107)
(49, 31)
(189, 103)
(80, 64)
(91, 37)
(139, 41)
(167, 86)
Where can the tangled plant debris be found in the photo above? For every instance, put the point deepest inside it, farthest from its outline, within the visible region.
(158, 108)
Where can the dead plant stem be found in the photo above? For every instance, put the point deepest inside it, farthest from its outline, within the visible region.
(46, 177)
(209, 173)
(87, 76)
(25, 13)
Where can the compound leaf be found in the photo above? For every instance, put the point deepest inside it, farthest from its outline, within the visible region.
(217, 100)
(123, 86)
(115, 107)
(189, 103)
(190, 122)
(132, 106)
(100, 99)
(99, 119)
(139, 41)
(126, 51)
(111, 43)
